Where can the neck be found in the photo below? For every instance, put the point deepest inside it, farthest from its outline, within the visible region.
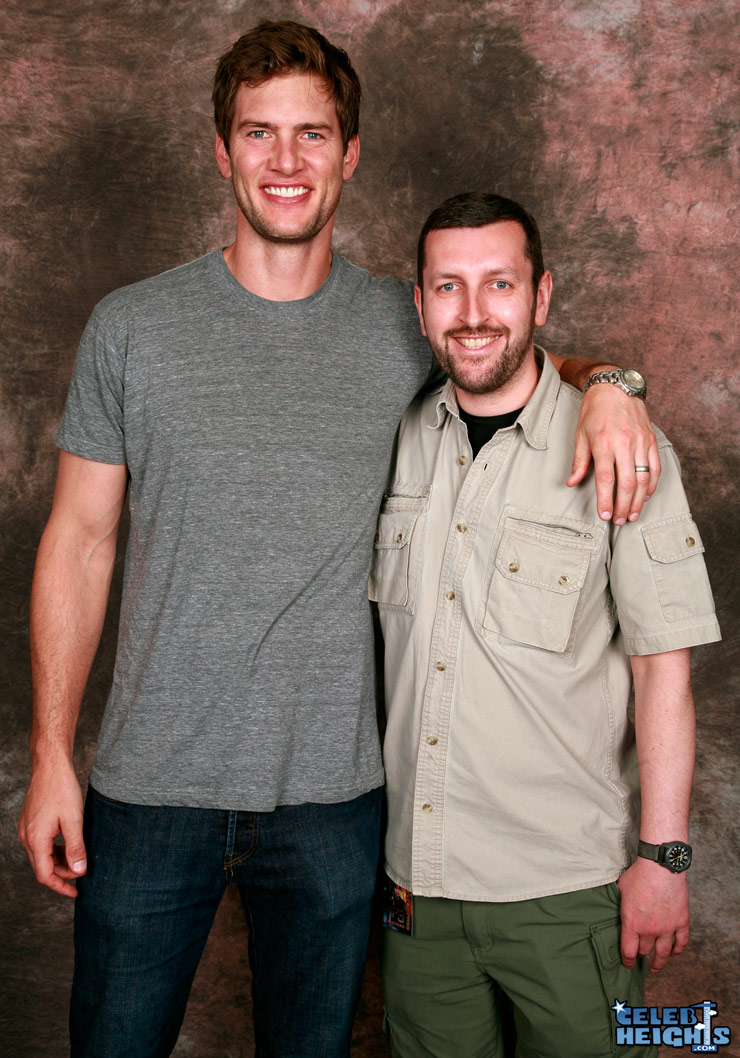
(511, 396)
(279, 271)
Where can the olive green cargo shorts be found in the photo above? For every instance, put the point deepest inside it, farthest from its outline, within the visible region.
(475, 977)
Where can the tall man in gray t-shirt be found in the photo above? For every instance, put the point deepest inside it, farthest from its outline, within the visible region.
(234, 399)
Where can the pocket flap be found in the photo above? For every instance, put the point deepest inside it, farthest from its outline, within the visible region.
(394, 571)
(528, 561)
(673, 540)
(395, 529)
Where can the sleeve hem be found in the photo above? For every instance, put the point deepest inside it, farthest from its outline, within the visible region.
(86, 450)
(661, 644)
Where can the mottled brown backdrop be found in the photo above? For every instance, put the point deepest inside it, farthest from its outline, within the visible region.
(617, 123)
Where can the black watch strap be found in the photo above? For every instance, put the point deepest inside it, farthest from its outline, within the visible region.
(674, 855)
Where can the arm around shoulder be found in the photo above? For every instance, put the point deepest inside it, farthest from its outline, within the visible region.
(614, 430)
(69, 596)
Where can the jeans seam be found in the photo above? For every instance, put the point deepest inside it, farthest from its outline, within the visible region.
(230, 862)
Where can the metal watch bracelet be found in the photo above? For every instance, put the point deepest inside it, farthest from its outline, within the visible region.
(628, 379)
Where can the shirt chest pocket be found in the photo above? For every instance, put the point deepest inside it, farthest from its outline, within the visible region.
(396, 564)
(534, 581)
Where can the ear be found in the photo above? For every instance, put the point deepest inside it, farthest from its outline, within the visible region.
(351, 158)
(418, 301)
(222, 157)
(542, 305)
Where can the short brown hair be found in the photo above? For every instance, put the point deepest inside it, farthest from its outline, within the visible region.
(285, 47)
(475, 209)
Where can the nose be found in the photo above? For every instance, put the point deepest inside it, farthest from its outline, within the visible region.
(473, 308)
(287, 158)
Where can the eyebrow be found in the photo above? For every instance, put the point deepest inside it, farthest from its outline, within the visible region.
(494, 273)
(305, 126)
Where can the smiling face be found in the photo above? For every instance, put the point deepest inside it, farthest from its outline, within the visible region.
(479, 309)
(286, 160)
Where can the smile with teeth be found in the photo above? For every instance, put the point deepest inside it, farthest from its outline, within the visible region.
(292, 191)
(476, 343)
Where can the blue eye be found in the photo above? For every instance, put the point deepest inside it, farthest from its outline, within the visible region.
(447, 287)
(500, 284)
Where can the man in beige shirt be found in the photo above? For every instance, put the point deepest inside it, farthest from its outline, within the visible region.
(516, 623)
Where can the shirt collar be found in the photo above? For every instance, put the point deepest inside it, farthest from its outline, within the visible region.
(535, 416)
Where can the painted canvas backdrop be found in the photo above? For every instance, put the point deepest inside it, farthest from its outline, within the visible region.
(617, 124)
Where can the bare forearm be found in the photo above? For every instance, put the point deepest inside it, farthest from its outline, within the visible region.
(68, 602)
(575, 370)
(655, 901)
(665, 729)
(71, 582)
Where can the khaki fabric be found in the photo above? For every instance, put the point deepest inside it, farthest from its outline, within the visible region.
(508, 611)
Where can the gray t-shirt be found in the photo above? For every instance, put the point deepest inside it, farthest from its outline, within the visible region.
(258, 436)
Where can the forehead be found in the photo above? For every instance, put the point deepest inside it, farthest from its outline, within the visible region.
(488, 248)
(287, 97)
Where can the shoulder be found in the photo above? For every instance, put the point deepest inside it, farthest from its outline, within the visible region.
(379, 313)
(164, 292)
(570, 399)
(398, 293)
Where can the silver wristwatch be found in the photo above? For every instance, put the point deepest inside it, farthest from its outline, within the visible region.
(628, 380)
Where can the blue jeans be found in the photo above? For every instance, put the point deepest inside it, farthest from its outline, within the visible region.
(155, 878)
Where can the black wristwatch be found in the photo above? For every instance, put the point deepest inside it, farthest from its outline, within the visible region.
(675, 855)
(628, 380)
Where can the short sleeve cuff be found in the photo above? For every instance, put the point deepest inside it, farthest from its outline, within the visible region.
(675, 639)
(88, 449)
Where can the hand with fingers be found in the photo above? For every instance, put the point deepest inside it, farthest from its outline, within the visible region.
(615, 430)
(53, 807)
(655, 913)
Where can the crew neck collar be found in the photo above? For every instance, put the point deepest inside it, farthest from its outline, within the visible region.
(267, 304)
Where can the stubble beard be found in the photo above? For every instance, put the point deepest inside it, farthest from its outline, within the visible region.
(470, 376)
(260, 225)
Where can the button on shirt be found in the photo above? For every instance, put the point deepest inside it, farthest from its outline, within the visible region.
(509, 610)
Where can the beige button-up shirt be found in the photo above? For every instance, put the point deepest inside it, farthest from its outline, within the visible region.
(509, 610)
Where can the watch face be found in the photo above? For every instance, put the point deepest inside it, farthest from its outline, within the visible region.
(678, 857)
(633, 379)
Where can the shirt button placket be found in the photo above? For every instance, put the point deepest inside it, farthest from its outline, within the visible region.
(430, 765)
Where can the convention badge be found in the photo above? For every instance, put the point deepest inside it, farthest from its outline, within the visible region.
(398, 908)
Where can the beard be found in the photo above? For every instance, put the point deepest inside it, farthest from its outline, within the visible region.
(483, 375)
